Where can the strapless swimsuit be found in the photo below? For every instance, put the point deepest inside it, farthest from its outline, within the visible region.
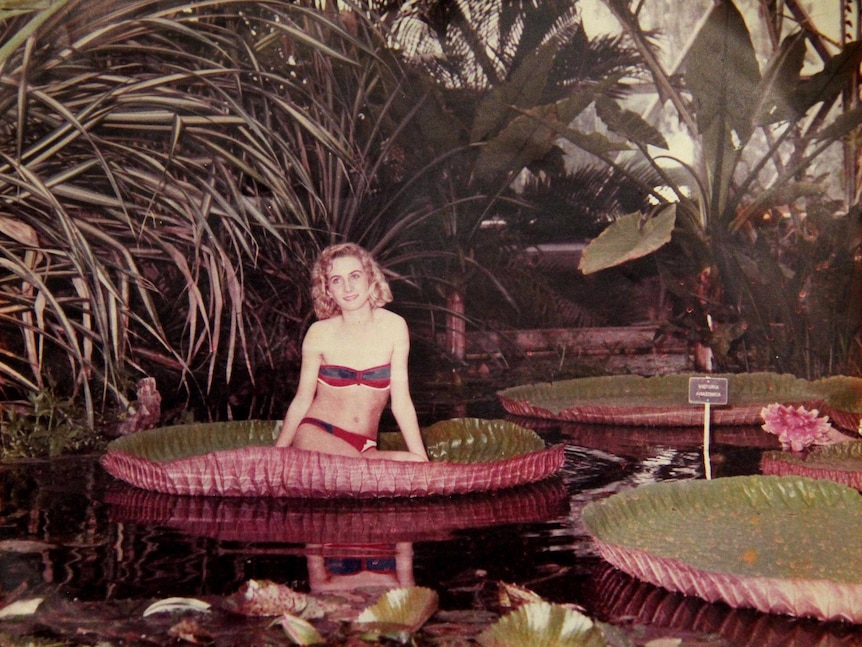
(376, 377)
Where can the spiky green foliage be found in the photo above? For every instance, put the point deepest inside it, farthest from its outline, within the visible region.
(168, 172)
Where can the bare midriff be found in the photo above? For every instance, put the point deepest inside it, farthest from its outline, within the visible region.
(353, 408)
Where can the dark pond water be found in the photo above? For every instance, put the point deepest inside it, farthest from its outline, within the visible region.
(92, 545)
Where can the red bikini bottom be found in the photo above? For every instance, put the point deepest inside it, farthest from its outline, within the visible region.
(360, 442)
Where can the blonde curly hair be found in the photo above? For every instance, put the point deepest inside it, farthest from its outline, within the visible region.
(324, 305)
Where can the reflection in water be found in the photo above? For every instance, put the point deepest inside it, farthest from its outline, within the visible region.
(641, 441)
(68, 529)
(334, 521)
(347, 567)
(266, 536)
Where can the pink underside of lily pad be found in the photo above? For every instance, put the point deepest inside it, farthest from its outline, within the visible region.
(777, 465)
(290, 472)
(838, 462)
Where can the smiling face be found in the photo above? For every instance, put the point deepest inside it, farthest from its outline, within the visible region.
(325, 304)
(347, 283)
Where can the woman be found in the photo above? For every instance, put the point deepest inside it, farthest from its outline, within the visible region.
(354, 361)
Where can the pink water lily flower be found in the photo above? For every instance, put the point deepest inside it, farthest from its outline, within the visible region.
(796, 428)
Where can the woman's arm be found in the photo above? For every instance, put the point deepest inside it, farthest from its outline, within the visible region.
(311, 360)
(402, 404)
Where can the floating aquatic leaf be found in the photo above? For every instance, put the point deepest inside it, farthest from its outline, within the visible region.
(266, 598)
(512, 596)
(542, 624)
(477, 440)
(839, 462)
(662, 400)
(399, 612)
(21, 608)
(235, 458)
(177, 604)
(299, 631)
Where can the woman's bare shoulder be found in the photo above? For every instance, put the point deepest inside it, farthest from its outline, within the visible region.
(391, 320)
(322, 325)
(318, 333)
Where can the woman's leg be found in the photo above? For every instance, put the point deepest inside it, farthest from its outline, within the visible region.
(392, 455)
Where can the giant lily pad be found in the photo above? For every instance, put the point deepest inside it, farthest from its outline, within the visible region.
(239, 459)
(777, 544)
(841, 463)
(662, 400)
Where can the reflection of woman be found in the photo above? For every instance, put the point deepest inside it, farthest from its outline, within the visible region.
(334, 567)
(354, 361)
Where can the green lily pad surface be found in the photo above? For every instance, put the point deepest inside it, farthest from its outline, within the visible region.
(777, 544)
(165, 444)
(662, 400)
(471, 440)
(458, 440)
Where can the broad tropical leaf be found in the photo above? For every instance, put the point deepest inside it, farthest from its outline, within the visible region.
(628, 238)
(628, 124)
(722, 73)
(780, 81)
(522, 90)
(828, 83)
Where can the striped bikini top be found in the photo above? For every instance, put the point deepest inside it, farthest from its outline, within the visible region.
(376, 377)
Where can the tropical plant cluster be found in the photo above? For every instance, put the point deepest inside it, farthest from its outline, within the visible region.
(760, 240)
(172, 169)
(169, 171)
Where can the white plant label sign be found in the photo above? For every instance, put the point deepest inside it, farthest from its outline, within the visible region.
(707, 391)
